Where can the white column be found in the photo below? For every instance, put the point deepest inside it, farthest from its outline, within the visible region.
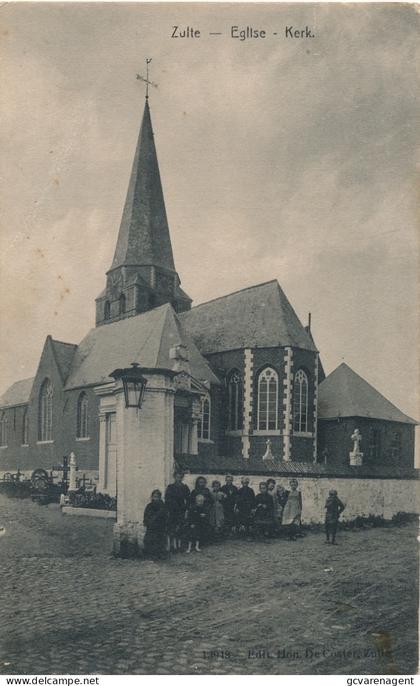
(248, 401)
(195, 417)
(102, 452)
(316, 406)
(287, 403)
(144, 457)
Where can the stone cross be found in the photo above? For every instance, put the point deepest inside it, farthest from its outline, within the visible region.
(357, 438)
(356, 456)
(72, 476)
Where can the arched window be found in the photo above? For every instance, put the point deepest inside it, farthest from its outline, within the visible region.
(82, 416)
(25, 427)
(107, 310)
(235, 400)
(204, 421)
(300, 402)
(45, 411)
(268, 400)
(122, 303)
(3, 429)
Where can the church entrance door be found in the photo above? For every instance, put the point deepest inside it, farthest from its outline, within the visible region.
(182, 421)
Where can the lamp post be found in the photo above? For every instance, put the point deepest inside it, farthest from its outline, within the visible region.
(134, 384)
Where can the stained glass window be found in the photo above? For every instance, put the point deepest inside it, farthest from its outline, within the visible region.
(235, 400)
(268, 400)
(300, 402)
(82, 416)
(45, 411)
(204, 421)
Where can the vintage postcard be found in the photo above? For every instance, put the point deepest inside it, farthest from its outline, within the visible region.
(209, 339)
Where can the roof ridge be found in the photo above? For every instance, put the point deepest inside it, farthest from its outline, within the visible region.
(240, 290)
(55, 340)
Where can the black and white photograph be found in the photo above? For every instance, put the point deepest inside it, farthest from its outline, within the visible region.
(209, 335)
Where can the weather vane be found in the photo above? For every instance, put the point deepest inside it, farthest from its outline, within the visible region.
(146, 80)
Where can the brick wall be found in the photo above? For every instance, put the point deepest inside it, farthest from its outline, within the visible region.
(335, 435)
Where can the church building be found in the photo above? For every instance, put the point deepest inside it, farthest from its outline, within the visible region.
(250, 394)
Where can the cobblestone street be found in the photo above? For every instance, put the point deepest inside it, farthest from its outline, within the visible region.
(69, 607)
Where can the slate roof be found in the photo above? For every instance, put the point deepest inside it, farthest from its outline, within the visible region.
(146, 338)
(196, 464)
(17, 394)
(346, 394)
(144, 233)
(256, 317)
(63, 353)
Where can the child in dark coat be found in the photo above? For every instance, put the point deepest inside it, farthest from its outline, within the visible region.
(264, 508)
(245, 502)
(177, 497)
(333, 510)
(198, 518)
(155, 520)
(231, 493)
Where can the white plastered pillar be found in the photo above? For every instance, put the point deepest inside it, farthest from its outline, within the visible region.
(145, 455)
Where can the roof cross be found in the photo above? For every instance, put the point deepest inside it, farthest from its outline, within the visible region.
(146, 80)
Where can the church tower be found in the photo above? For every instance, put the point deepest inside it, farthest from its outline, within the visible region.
(142, 275)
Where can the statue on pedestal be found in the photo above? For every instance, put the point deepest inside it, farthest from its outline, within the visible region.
(356, 456)
(268, 455)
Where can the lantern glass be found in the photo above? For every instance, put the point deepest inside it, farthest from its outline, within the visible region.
(134, 391)
(134, 384)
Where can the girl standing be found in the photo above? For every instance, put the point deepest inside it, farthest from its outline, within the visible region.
(292, 512)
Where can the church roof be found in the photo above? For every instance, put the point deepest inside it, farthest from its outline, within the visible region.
(146, 338)
(346, 394)
(63, 353)
(144, 238)
(256, 317)
(17, 394)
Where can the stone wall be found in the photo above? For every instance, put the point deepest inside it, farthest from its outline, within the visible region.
(362, 497)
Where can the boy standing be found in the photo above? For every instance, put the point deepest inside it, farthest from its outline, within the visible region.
(197, 523)
(176, 499)
(231, 493)
(263, 517)
(334, 508)
(245, 503)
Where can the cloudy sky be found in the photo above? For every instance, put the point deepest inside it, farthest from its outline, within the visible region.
(280, 158)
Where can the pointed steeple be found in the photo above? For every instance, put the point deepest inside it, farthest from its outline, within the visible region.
(144, 238)
(142, 275)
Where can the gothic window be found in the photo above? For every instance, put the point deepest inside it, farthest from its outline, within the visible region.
(107, 310)
(3, 429)
(25, 427)
(374, 443)
(45, 411)
(235, 400)
(122, 303)
(204, 421)
(396, 445)
(268, 400)
(300, 402)
(82, 416)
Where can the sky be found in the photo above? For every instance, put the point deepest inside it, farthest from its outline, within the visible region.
(287, 158)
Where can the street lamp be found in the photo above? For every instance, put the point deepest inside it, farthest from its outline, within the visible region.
(134, 384)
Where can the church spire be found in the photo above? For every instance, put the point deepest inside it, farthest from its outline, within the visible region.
(144, 238)
(142, 275)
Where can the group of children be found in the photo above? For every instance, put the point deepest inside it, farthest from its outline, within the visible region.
(187, 519)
